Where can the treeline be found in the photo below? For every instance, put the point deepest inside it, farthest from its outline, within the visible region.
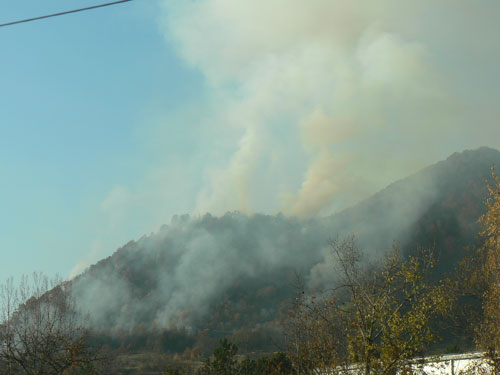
(186, 344)
(225, 361)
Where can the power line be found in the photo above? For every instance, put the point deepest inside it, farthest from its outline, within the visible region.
(63, 13)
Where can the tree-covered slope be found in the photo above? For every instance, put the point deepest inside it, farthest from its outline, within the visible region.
(200, 278)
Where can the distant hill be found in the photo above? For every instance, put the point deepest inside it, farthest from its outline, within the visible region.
(198, 279)
(438, 207)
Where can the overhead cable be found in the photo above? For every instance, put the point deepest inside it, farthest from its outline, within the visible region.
(63, 13)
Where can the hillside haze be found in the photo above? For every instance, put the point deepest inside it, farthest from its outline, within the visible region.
(234, 275)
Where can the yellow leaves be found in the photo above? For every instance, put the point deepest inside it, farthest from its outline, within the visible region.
(491, 232)
(382, 316)
(488, 334)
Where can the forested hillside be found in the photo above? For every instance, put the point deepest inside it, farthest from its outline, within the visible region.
(202, 278)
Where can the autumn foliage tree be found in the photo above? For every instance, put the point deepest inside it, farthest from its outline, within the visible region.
(376, 317)
(488, 331)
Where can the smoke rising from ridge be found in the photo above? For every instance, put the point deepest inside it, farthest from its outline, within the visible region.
(355, 91)
(190, 263)
(176, 277)
(308, 107)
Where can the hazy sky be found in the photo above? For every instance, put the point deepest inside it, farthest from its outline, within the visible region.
(114, 120)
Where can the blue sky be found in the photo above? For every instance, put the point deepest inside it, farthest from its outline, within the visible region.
(76, 92)
(113, 120)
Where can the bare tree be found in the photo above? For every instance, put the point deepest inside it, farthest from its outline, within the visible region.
(40, 330)
(312, 328)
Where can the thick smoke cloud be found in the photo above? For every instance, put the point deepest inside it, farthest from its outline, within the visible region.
(173, 278)
(333, 100)
(191, 263)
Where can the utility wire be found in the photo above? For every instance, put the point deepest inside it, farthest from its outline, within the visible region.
(63, 13)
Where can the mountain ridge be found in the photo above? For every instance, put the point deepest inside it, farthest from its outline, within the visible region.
(233, 275)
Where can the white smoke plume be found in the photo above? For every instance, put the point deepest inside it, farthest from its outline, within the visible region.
(331, 99)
